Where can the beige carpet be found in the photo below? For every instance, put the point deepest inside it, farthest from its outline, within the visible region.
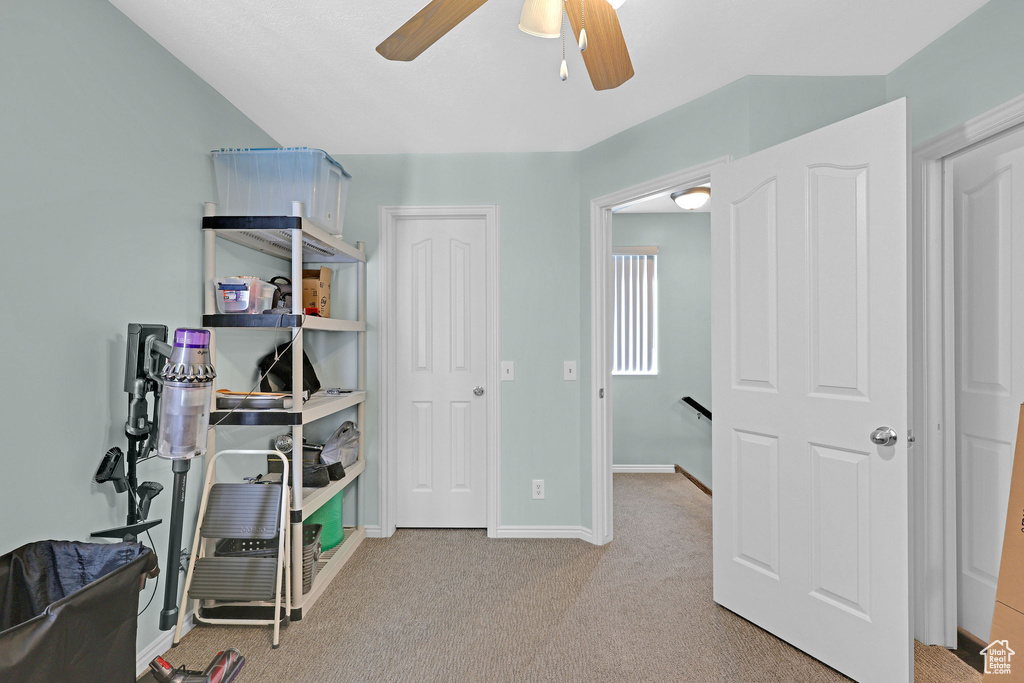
(452, 605)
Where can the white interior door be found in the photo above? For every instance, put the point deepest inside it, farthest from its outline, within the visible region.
(985, 201)
(809, 357)
(441, 372)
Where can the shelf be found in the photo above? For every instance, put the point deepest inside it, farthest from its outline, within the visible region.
(320, 405)
(331, 563)
(297, 241)
(281, 321)
(313, 499)
(273, 235)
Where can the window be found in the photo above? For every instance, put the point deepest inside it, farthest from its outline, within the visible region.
(635, 337)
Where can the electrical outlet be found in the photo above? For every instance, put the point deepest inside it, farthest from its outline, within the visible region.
(508, 371)
(538, 489)
(570, 371)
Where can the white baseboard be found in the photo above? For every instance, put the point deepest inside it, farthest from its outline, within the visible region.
(643, 469)
(374, 531)
(160, 645)
(544, 532)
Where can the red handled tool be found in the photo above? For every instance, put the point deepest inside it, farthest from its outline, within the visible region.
(223, 669)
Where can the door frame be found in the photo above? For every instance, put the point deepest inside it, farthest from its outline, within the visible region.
(933, 340)
(601, 300)
(388, 221)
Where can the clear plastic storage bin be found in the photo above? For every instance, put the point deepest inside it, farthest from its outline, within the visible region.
(241, 294)
(265, 182)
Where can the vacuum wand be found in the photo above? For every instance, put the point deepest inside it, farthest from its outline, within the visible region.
(169, 614)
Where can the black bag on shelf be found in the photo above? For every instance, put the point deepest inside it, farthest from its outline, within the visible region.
(279, 378)
(335, 471)
(315, 476)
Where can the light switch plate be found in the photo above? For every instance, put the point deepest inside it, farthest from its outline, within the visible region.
(508, 371)
(570, 371)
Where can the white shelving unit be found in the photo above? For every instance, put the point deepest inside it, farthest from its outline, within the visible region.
(299, 241)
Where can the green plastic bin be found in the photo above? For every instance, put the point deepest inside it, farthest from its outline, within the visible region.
(329, 518)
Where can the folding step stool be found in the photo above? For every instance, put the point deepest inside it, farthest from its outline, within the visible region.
(257, 512)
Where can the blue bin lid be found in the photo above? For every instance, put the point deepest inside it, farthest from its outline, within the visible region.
(243, 150)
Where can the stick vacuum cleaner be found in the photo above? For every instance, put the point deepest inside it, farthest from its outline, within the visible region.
(187, 379)
(223, 669)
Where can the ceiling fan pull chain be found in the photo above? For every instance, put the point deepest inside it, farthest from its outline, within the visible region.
(563, 73)
(583, 27)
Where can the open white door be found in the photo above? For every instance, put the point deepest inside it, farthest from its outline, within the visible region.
(809, 358)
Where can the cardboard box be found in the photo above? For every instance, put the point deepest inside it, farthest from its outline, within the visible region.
(1004, 656)
(1010, 589)
(316, 290)
(1008, 618)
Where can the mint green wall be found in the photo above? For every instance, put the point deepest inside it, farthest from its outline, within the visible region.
(537, 196)
(974, 67)
(651, 426)
(102, 177)
(783, 107)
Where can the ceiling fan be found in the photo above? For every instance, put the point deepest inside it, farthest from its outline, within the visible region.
(603, 47)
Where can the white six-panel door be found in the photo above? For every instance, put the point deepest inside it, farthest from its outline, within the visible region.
(441, 372)
(809, 356)
(985, 201)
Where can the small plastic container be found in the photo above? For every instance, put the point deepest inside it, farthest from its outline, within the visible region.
(266, 300)
(265, 182)
(240, 294)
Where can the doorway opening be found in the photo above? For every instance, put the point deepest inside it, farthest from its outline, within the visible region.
(961, 487)
(984, 199)
(661, 337)
(602, 283)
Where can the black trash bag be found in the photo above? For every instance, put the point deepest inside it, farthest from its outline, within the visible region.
(280, 377)
(68, 611)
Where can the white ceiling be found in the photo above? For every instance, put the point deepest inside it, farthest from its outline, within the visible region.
(662, 203)
(306, 70)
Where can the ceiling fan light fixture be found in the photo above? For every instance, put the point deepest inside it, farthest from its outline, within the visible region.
(541, 18)
(691, 199)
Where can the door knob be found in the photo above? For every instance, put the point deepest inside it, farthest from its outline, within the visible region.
(479, 391)
(883, 436)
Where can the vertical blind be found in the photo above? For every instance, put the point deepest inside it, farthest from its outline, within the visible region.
(635, 337)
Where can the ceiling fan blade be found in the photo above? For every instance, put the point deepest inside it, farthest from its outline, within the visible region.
(606, 56)
(425, 28)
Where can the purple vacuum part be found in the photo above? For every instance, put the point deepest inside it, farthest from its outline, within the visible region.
(191, 338)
